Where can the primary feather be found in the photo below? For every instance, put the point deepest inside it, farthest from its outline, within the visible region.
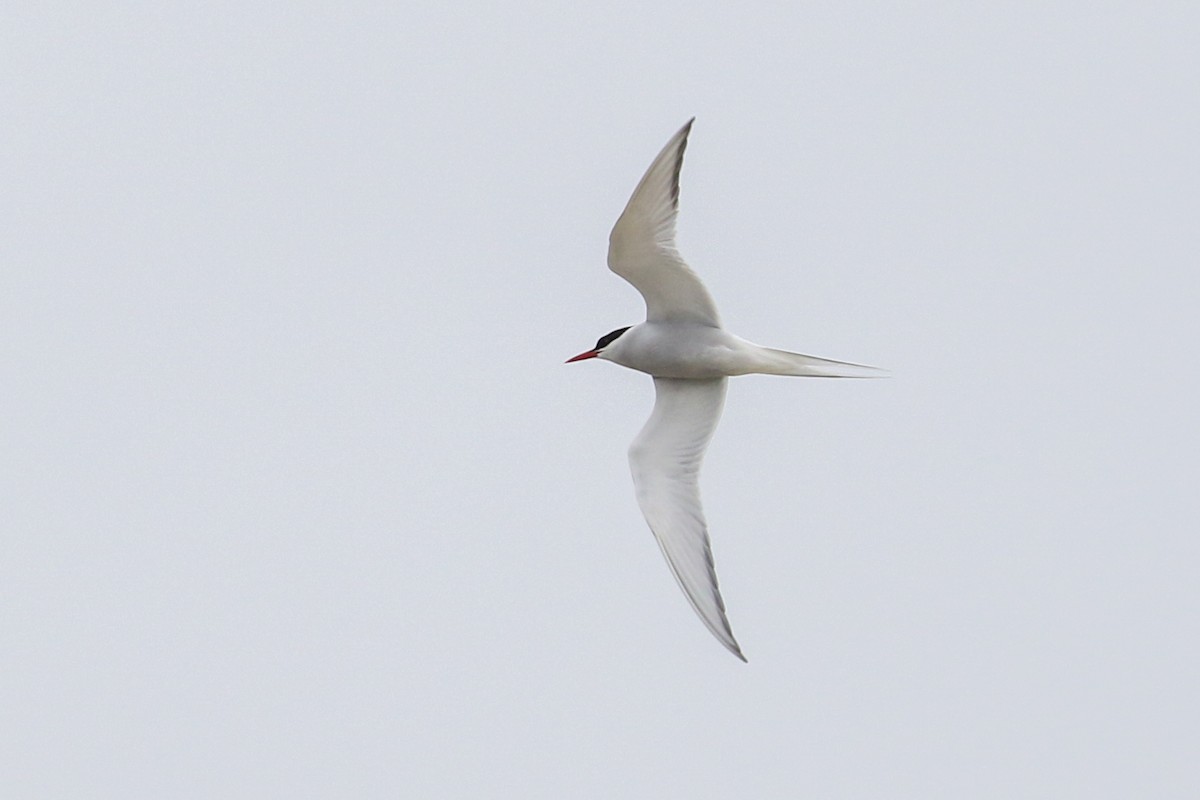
(641, 247)
(665, 461)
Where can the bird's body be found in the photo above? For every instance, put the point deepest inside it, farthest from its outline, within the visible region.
(680, 350)
(697, 351)
(683, 346)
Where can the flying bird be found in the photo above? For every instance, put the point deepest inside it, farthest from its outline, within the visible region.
(690, 356)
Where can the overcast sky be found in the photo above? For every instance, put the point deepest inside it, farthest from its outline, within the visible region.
(299, 500)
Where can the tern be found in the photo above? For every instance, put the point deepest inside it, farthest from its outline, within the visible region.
(690, 356)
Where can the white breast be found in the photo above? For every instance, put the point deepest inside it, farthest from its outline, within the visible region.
(682, 350)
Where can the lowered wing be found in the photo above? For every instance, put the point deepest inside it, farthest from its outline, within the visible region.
(665, 460)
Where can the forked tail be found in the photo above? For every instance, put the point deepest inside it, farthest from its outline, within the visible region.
(781, 362)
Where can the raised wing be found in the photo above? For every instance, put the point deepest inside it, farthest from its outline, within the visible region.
(665, 459)
(641, 247)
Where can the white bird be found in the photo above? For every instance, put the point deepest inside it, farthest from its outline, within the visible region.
(683, 346)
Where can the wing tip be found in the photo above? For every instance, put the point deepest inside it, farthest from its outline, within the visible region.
(683, 134)
(726, 637)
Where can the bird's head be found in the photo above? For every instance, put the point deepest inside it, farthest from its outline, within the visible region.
(601, 344)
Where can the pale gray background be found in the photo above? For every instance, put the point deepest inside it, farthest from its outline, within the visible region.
(299, 499)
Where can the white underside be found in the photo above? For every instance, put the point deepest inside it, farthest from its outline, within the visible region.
(684, 347)
(703, 352)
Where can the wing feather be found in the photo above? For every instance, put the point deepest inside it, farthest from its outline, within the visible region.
(641, 247)
(665, 459)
